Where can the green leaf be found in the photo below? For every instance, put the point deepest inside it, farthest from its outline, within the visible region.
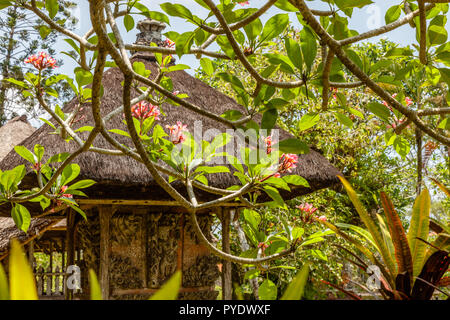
(139, 68)
(177, 10)
(312, 241)
(445, 124)
(274, 27)
(437, 35)
(419, 228)
(82, 184)
(252, 218)
(70, 173)
(17, 82)
(296, 180)
(184, 43)
(393, 14)
(308, 121)
(285, 5)
(269, 119)
(121, 132)
(4, 4)
(21, 217)
(52, 7)
(216, 169)
(445, 75)
(25, 153)
(74, 207)
(128, 21)
(277, 183)
(83, 77)
(225, 76)
(94, 285)
(275, 195)
(44, 31)
(21, 279)
(169, 291)
(60, 157)
(39, 152)
(207, 66)
(342, 118)
(308, 45)
(294, 52)
(296, 288)
(253, 29)
(251, 274)
(347, 4)
(297, 232)
(401, 146)
(380, 110)
(267, 290)
(292, 146)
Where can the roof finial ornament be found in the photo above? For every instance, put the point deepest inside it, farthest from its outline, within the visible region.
(150, 31)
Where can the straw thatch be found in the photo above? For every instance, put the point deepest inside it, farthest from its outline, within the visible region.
(12, 133)
(123, 177)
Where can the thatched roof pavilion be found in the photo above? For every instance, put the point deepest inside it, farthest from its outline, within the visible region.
(135, 236)
(124, 178)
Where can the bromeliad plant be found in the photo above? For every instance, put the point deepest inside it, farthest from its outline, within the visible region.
(411, 267)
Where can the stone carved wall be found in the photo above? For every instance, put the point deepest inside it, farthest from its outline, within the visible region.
(145, 251)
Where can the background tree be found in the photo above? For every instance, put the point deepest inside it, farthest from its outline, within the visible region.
(21, 35)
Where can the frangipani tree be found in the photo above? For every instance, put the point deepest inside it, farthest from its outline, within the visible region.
(238, 31)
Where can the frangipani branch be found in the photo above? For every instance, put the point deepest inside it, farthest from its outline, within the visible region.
(353, 68)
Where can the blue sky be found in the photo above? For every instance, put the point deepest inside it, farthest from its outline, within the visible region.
(362, 20)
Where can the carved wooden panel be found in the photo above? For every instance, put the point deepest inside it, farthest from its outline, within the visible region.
(162, 242)
(146, 248)
(125, 255)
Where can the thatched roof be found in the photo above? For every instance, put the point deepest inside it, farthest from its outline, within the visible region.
(12, 133)
(124, 178)
(9, 230)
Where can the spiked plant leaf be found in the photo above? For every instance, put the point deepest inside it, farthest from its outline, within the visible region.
(369, 255)
(4, 290)
(432, 272)
(21, 279)
(170, 289)
(398, 235)
(442, 242)
(419, 228)
(94, 285)
(386, 236)
(442, 187)
(361, 231)
(296, 288)
(371, 226)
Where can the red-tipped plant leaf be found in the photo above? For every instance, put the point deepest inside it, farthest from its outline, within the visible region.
(433, 271)
(401, 246)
